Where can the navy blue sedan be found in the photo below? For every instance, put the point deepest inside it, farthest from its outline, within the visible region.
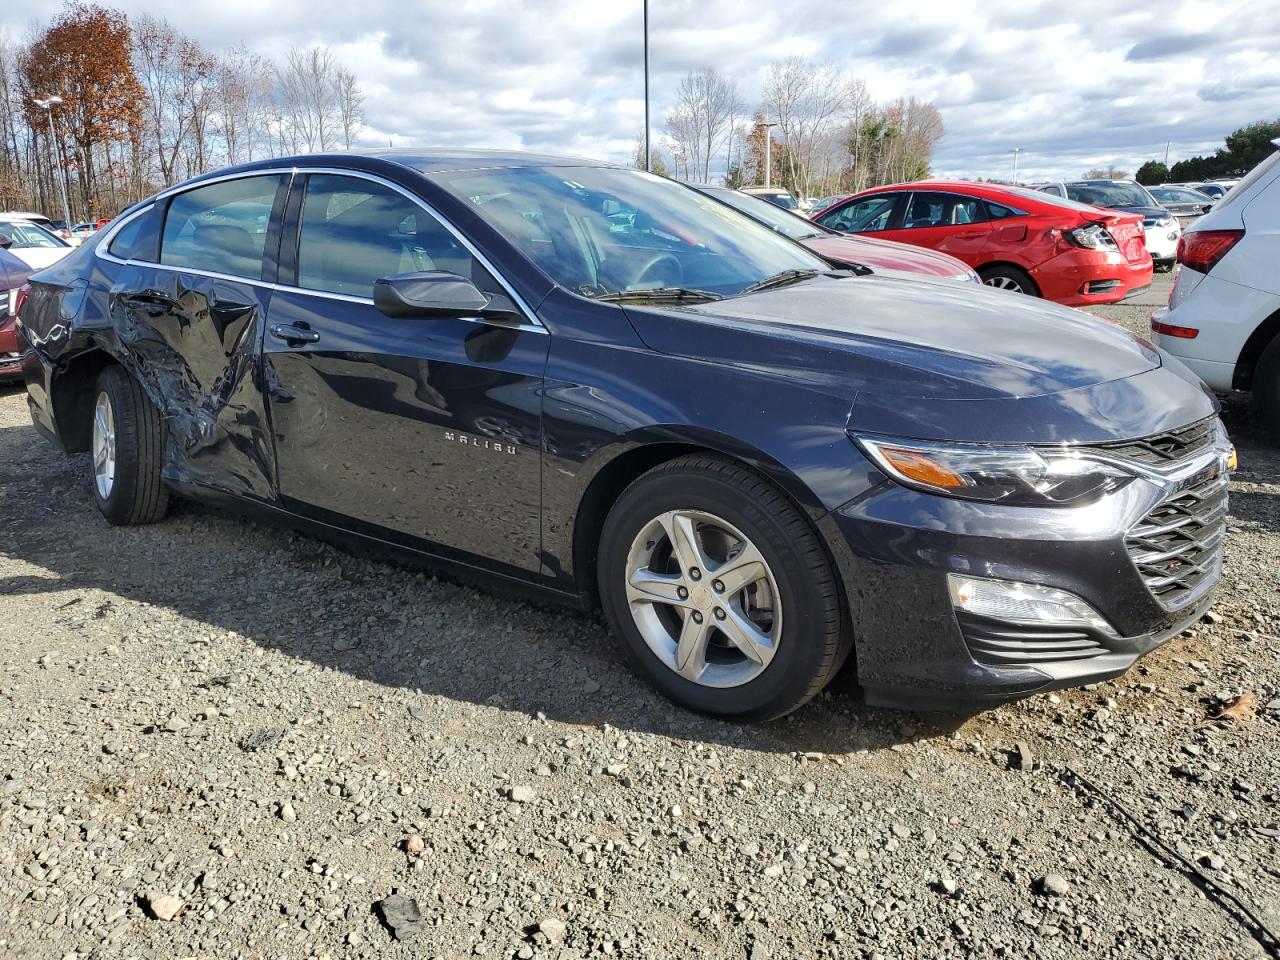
(603, 385)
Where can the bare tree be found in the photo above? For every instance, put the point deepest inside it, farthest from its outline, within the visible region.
(350, 105)
(702, 119)
(242, 94)
(806, 100)
(177, 75)
(309, 96)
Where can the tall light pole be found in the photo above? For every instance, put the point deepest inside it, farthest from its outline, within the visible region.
(1016, 151)
(768, 151)
(47, 105)
(647, 157)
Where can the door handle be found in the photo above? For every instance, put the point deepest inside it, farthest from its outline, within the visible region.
(292, 334)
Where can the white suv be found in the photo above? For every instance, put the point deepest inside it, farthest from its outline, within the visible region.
(1223, 318)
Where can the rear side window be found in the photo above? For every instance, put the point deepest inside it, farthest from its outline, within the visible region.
(943, 210)
(354, 231)
(221, 228)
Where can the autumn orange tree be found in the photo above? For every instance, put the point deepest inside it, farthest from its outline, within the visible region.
(85, 57)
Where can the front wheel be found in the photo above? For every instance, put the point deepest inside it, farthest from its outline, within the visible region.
(126, 446)
(719, 591)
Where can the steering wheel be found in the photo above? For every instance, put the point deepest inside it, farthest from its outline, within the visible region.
(657, 260)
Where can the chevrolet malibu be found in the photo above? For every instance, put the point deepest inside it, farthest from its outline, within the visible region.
(600, 384)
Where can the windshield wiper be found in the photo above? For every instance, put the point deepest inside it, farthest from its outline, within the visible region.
(660, 295)
(781, 279)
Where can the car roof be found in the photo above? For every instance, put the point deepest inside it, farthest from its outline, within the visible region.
(425, 160)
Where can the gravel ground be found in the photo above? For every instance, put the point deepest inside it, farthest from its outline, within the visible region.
(223, 740)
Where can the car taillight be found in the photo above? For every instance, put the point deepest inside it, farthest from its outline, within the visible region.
(1202, 249)
(24, 291)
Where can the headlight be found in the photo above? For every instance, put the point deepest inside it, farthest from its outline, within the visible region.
(1094, 237)
(1012, 475)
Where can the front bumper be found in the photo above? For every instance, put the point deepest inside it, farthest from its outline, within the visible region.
(914, 651)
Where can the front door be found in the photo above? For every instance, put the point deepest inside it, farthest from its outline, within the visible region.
(422, 431)
(949, 222)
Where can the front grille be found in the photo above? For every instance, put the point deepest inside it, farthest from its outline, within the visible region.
(997, 643)
(1177, 547)
(1164, 448)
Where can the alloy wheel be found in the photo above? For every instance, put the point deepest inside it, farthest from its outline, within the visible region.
(703, 598)
(1004, 283)
(104, 445)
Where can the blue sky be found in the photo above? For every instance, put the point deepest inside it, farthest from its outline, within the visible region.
(1072, 85)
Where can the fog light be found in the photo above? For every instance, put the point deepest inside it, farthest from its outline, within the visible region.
(1027, 603)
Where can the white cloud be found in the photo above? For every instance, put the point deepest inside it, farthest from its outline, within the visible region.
(1072, 85)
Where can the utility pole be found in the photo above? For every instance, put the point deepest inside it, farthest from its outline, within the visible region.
(1016, 151)
(768, 152)
(647, 157)
(1166, 154)
(47, 105)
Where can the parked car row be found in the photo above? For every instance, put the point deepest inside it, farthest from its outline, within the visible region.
(618, 390)
(1159, 224)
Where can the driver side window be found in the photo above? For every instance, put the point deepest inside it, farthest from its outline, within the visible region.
(354, 231)
(862, 216)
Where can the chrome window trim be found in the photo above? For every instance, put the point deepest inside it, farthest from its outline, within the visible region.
(533, 324)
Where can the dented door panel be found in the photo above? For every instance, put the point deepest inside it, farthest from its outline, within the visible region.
(194, 343)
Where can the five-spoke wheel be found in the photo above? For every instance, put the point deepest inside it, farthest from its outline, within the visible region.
(699, 558)
(703, 598)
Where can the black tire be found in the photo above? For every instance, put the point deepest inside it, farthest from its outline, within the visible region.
(1006, 277)
(1266, 387)
(813, 643)
(137, 494)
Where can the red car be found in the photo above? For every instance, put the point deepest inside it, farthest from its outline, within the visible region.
(882, 256)
(13, 277)
(1019, 240)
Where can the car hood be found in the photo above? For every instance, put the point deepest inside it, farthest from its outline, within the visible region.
(881, 255)
(904, 351)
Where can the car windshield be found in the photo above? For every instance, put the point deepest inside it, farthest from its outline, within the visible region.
(1052, 199)
(1109, 194)
(607, 230)
(787, 224)
(1178, 195)
(28, 236)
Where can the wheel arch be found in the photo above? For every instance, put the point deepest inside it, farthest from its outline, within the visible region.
(643, 453)
(1010, 265)
(71, 396)
(1262, 336)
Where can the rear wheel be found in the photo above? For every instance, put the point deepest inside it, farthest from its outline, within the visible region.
(1012, 279)
(126, 446)
(1266, 387)
(719, 591)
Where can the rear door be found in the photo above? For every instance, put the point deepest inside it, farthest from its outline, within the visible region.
(949, 222)
(420, 431)
(188, 320)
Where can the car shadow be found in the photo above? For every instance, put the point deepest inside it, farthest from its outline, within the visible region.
(400, 627)
(412, 633)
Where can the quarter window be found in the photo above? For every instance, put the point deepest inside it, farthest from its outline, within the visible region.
(861, 216)
(221, 228)
(354, 231)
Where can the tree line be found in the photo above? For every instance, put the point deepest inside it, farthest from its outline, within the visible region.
(144, 106)
(823, 132)
(1242, 150)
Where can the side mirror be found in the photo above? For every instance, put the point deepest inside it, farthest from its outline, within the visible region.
(432, 293)
(6, 241)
